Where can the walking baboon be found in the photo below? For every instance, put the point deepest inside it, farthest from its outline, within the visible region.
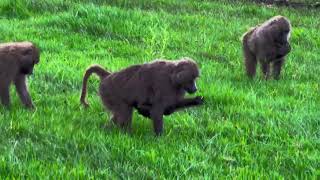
(17, 60)
(154, 89)
(267, 43)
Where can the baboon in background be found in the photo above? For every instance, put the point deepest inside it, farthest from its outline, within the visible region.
(154, 89)
(267, 43)
(17, 60)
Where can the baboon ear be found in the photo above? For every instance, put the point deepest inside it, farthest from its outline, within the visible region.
(180, 77)
(27, 51)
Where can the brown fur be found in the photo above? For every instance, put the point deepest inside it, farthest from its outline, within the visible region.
(154, 89)
(267, 43)
(17, 60)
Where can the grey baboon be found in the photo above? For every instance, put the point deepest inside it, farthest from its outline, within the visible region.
(17, 60)
(154, 89)
(267, 43)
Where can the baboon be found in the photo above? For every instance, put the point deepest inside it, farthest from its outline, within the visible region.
(154, 89)
(17, 60)
(267, 43)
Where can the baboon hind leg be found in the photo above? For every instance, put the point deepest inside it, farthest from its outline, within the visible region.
(250, 61)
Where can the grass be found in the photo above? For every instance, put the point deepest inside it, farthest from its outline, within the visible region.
(246, 129)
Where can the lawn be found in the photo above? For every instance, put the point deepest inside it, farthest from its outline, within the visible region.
(246, 128)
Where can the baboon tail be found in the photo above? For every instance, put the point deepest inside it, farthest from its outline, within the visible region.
(98, 70)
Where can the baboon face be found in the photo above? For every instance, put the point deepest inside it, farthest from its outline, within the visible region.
(279, 28)
(29, 58)
(283, 50)
(26, 68)
(281, 35)
(281, 42)
(187, 72)
(190, 87)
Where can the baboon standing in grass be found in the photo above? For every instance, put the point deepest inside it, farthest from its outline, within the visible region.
(267, 43)
(17, 60)
(154, 89)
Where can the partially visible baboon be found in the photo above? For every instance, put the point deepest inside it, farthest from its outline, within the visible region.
(154, 89)
(267, 43)
(17, 60)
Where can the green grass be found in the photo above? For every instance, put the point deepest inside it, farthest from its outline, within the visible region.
(257, 129)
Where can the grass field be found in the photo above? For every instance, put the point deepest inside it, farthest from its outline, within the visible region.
(246, 129)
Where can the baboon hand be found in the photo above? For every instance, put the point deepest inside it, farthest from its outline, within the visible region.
(199, 100)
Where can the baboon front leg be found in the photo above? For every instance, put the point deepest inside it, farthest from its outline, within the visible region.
(188, 102)
(22, 90)
(265, 68)
(157, 117)
(5, 94)
(277, 66)
(184, 103)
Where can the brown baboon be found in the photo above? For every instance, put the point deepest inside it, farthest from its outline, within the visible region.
(17, 60)
(267, 43)
(154, 89)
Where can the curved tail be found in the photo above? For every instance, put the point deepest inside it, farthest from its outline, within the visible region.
(98, 70)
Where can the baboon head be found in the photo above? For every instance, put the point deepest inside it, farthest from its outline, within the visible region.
(283, 50)
(280, 28)
(186, 72)
(29, 56)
